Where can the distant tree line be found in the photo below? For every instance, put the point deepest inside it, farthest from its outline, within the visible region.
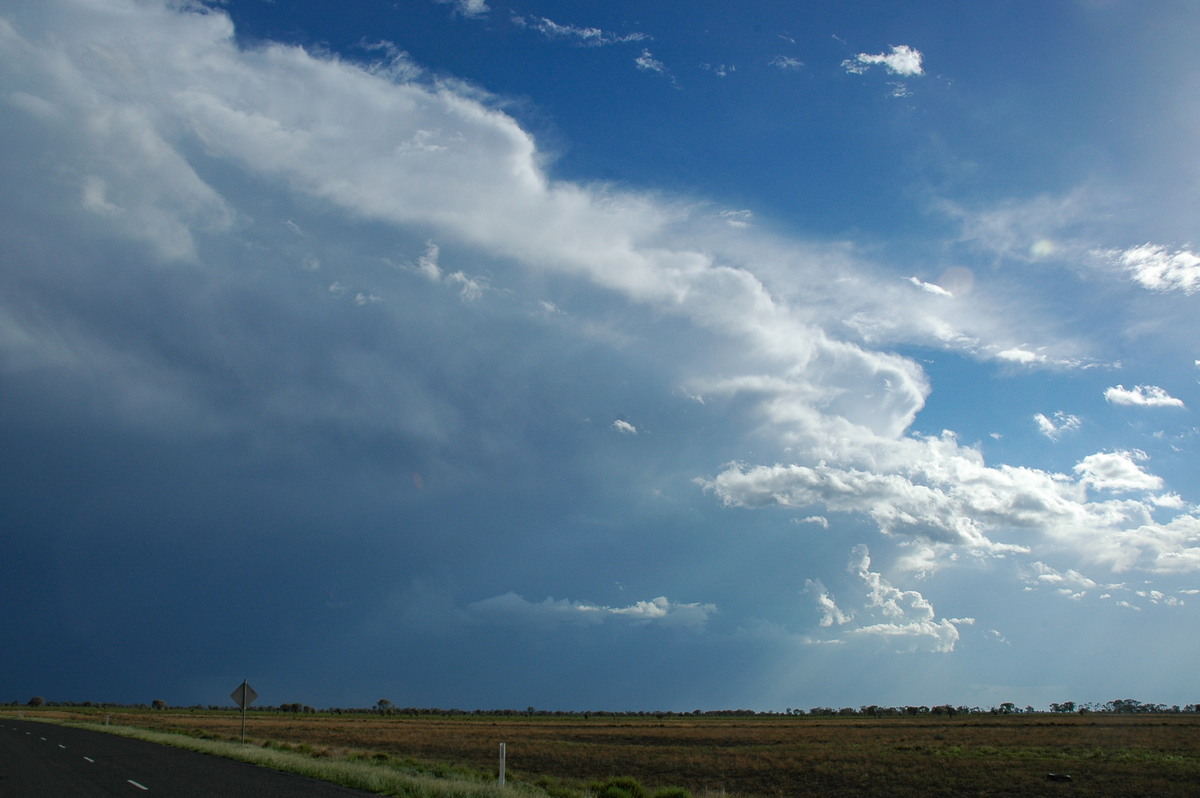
(386, 707)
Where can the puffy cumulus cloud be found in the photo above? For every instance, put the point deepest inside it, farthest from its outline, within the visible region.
(945, 499)
(1155, 267)
(902, 60)
(1073, 585)
(831, 615)
(930, 488)
(1117, 471)
(1175, 546)
(512, 609)
(624, 427)
(1141, 396)
(1070, 583)
(1054, 427)
(904, 618)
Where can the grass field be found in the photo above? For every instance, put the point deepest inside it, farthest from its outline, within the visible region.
(1104, 754)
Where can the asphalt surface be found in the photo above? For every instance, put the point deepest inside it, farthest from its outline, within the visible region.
(45, 760)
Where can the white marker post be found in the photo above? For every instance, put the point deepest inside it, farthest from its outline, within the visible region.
(502, 752)
(243, 697)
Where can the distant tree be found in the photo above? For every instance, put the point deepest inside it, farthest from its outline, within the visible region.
(36, 701)
(158, 703)
(384, 706)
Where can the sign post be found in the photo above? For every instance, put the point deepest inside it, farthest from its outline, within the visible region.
(503, 751)
(243, 696)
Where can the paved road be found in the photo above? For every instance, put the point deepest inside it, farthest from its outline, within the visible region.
(44, 760)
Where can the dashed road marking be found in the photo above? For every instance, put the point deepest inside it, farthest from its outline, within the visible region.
(89, 759)
(139, 786)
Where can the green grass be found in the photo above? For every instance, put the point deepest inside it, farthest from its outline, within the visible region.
(381, 775)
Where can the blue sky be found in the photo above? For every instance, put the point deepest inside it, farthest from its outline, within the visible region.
(599, 355)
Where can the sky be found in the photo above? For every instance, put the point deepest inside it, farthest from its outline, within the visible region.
(599, 355)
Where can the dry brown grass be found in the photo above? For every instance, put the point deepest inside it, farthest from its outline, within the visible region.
(1105, 755)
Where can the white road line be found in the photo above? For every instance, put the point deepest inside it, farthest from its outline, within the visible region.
(135, 784)
(88, 758)
(60, 745)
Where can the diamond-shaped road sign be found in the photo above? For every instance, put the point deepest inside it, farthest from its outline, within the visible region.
(244, 695)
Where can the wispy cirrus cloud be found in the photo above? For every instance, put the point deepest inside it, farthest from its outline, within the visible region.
(585, 36)
(514, 610)
(648, 63)
(786, 63)
(468, 8)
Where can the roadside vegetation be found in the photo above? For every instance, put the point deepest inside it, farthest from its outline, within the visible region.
(1121, 748)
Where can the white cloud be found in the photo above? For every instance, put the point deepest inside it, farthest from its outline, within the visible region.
(1042, 575)
(1157, 269)
(944, 496)
(512, 609)
(589, 37)
(624, 427)
(902, 60)
(434, 159)
(468, 8)
(929, 488)
(786, 63)
(140, 92)
(1116, 471)
(737, 219)
(1019, 355)
(720, 70)
(470, 289)
(904, 617)
(1141, 396)
(929, 288)
(648, 63)
(830, 613)
(1054, 427)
